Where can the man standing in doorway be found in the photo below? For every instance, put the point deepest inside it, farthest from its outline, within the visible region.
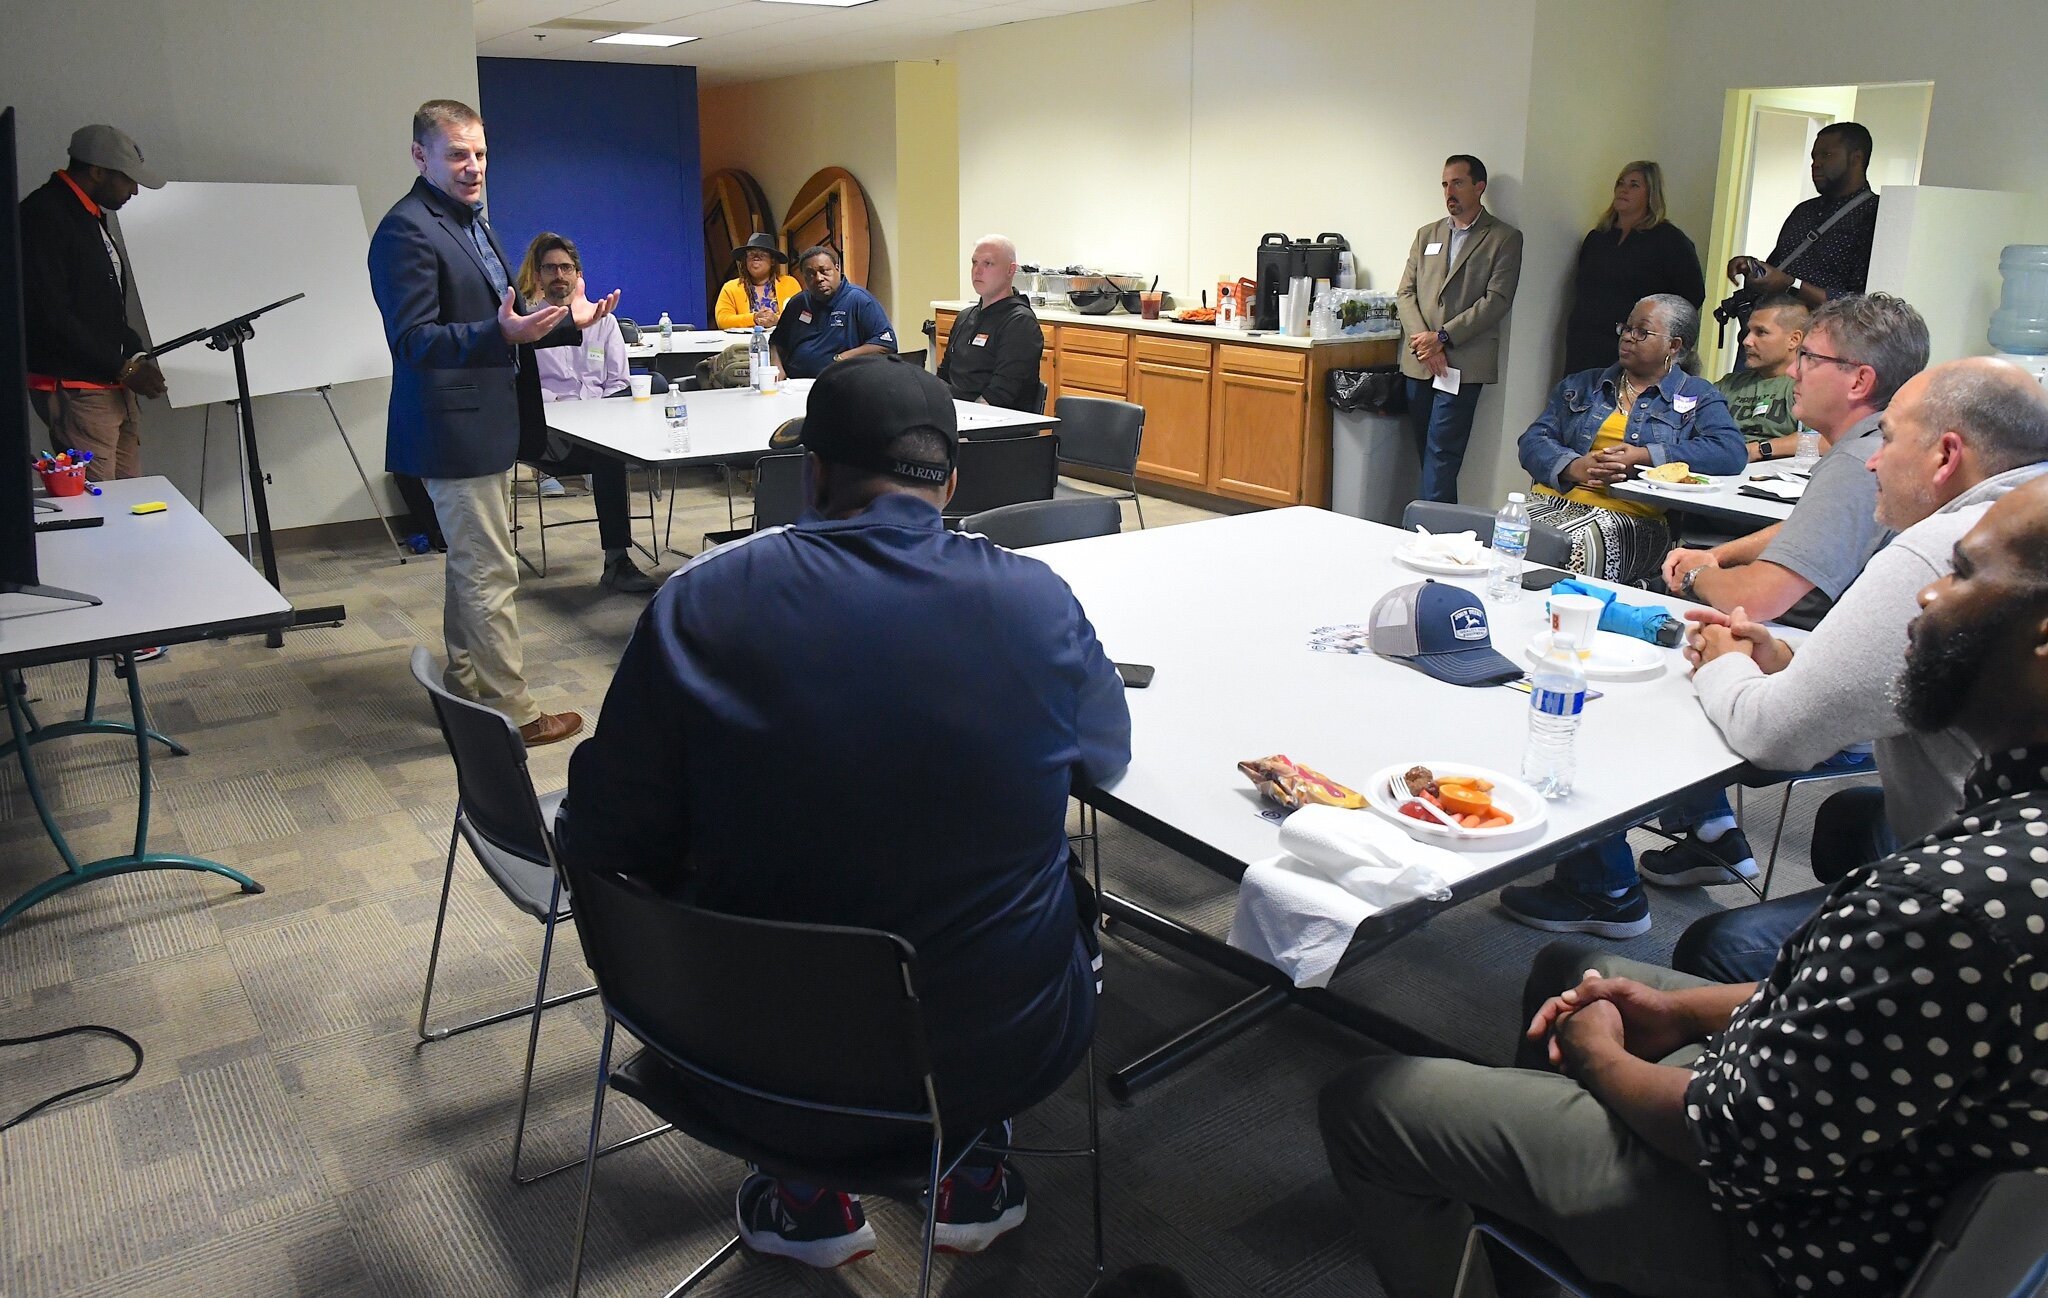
(1837, 262)
(86, 364)
(1455, 291)
(463, 380)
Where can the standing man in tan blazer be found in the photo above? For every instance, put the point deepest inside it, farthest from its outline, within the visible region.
(1455, 292)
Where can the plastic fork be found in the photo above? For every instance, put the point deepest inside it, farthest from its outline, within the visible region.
(1397, 788)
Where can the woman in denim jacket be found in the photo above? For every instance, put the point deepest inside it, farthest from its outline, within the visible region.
(1603, 425)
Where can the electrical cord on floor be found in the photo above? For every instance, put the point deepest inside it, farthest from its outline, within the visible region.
(81, 1030)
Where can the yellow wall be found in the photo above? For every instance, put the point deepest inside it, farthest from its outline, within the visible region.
(893, 126)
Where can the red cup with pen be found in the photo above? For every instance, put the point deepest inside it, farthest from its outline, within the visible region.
(63, 473)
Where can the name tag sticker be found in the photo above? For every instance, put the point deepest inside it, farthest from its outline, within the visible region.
(981, 340)
(804, 316)
(1684, 405)
(595, 355)
(1432, 250)
(1762, 408)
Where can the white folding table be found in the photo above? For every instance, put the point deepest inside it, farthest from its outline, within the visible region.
(1224, 610)
(161, 579)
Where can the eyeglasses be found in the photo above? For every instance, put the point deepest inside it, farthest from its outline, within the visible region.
(557, 268)
(1806, 356)
(1636, 334)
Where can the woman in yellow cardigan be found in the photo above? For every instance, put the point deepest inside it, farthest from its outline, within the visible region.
(755, 295)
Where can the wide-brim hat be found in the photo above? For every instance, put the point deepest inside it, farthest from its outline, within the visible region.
(762, 242)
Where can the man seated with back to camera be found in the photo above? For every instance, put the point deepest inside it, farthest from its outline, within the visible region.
(865, 719)
(1857, 352)
(1803, 1134)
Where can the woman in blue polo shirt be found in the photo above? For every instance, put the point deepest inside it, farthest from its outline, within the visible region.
(829, 321)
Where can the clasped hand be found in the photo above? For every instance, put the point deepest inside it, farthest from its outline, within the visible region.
(520, 329)
(1604, 468)
(1714, 633)
(1603, 1013)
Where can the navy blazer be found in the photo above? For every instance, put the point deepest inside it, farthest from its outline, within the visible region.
(459, 403)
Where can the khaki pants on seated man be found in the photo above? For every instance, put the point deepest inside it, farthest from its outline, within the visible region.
(1417, 1144)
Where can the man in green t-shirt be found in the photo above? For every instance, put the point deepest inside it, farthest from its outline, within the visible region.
(1760, 394)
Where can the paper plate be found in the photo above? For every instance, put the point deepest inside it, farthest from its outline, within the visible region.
(1680, 488)
(1526, 805)
(1615, 657)
(1444, 567)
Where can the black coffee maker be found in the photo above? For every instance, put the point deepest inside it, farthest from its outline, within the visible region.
(1282, 260)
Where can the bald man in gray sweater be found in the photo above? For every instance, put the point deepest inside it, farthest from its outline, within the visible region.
(1956, 438)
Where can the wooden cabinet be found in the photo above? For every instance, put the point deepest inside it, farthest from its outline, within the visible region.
(1231, 418)
(943, 320)
(1170, 379)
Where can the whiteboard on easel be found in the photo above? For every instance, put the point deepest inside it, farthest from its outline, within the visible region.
(201, 252)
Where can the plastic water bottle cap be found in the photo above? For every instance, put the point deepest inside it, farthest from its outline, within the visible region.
(1515, 497)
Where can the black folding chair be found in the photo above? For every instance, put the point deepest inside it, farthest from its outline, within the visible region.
(1004, 471)
(507, 828)
(1104, 435)
(1547, 545)
(826, 1021)
(1044, 522)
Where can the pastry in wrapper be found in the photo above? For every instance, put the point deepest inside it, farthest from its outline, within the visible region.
(1293, 785)
(1675, 471)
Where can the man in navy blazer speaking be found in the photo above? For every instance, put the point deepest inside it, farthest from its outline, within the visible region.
(463, 385)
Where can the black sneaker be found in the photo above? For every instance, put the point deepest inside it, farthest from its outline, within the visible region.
(1554, 909)
(1689, 861)
(830, 1230)
(971, 1217)
(620, 575)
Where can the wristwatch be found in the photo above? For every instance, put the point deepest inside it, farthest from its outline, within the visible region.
(1692, 575)
(1765, 450)
(1797, 284)
(1443, 339)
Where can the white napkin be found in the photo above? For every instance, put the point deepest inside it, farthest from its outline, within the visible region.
(1451, 547)
(1297, 911)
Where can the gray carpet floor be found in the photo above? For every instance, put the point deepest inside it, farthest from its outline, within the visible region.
(289, 1135)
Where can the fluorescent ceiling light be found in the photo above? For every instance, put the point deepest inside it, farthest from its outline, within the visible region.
(642, 38)
(821, 4)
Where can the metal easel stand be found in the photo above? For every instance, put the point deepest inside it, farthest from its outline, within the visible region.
(140, 858)
(323, 392)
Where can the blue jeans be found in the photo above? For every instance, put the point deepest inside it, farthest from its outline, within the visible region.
(1609, 865)
(1443, 425)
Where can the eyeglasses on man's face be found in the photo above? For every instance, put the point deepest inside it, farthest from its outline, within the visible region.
(1807, 356)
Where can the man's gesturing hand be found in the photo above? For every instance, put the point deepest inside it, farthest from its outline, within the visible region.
(521, 329)
(586, 312)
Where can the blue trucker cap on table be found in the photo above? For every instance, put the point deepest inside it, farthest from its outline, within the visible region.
(1440, 629)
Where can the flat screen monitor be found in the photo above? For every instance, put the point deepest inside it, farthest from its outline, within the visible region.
(17, 504)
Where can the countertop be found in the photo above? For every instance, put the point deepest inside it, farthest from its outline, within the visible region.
(1202, 333)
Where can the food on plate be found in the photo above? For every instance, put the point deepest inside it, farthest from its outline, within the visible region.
(1197, 315)
(1293, 785)
(1466, 799)
(1677, 471)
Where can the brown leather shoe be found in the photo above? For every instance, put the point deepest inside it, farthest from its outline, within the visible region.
(549, 727)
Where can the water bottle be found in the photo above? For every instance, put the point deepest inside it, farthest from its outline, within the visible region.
(676, 408)
(668, 333)
(1557, 694)
(1807, 453)
(1510, 543)
(760, 370)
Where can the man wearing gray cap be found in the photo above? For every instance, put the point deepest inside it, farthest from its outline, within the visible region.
(86, 364)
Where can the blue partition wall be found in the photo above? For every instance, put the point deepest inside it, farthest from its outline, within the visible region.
(605, 153)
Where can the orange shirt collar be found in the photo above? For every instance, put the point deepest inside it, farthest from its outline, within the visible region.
(90, 206)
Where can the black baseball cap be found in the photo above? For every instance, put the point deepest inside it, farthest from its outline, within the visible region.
(859, 407)
(1440, 629)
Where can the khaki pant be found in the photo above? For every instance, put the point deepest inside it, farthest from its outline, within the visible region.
(477, 617)
(100, 420)
(1416, 1144)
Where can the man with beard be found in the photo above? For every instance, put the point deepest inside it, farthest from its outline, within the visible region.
(1837, 261)
(1803, 1133)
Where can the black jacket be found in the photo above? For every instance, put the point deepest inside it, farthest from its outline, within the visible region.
(993, 354)
(75, 306)
(1616, 273)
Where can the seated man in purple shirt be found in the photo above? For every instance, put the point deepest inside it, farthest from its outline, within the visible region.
(595, 369)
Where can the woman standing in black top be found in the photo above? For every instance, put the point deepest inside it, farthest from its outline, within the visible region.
(1633, 253)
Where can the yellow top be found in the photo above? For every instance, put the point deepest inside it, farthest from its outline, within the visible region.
(735, 312)
(1612, 430)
